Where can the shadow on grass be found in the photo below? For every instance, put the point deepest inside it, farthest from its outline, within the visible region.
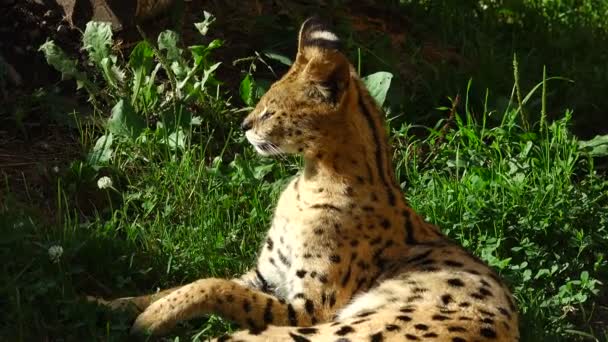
(43, 292)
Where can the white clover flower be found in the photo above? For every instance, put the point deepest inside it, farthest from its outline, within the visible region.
(104, 182)
(55, 253)
(55, 169)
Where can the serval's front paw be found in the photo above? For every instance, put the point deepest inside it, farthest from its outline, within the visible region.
(157, 319)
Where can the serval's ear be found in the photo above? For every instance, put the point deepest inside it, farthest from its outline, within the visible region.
(315, 33)
(321, 60)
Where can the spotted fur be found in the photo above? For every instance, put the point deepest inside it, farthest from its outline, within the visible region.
(346, 259)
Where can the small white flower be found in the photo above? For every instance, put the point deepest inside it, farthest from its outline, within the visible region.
(104, 182)
(55, 253)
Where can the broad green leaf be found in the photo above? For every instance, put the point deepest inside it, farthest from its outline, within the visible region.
(125, 121)
(596, 147)
(167, 40)
(246, 90)
(259, 172)
(141, 61)
(177, 139)
(203, 26)
(112, 73)
(208, 74)
(66, 66)
(200, 52)
(142, 57)
(102, 151)
(378, 85)
(261, 87)
(97, 39)
(196, 121)
(278, 57)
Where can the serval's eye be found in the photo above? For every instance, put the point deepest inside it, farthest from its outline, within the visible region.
(266, 115)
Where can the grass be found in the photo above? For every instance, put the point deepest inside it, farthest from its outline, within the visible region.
(189, 198)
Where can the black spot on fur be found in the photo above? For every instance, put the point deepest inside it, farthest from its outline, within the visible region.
(335, 258)
(487, 332)
(419, 290)
(430, 335)
(344, 330)
(458, 339)
(487, 313)
(422, 327)
(386, 224)
(301, 273)
(477, 296)
(455, 282)
(392, 327)
(446, 299)
(464, 304)
(377, 337)
(309, 306)
(365, 314)
(298, 338)
(447, 311)
(409, 231)
(268, 317)
(419, 257)
(346, 277)
(263, 283)
(325, 206)
(485, 292)
(412, 337)
(413, 298)
(453, 263)
(440, 318)
(332, 299)
(283, 258)
(291, 315)
(307, 331)
(363, 320)
(404, 318)
(505, 312)
(269, 244)
(456, 329)
(246, 305)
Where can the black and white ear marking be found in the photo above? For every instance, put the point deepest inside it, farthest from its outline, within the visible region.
(315, 33)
